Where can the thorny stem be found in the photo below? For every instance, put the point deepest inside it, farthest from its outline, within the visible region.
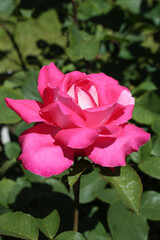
(76, 188)
(10, 35)
(75, 12)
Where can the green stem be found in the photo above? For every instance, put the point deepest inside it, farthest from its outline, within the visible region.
(11, 37)
(76, 188)
(75, 12)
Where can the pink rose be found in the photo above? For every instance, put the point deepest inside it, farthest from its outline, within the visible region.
(84, 115)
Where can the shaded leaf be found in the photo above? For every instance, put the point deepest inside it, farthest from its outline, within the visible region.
(156, 126)
(90, 185)
(108, 195)
(12, 149)
(57, 185)
(29, 88)
(96, 230)
(7, 165)
(153, 14)
(147, 108)
(7, 7)
(143, 154)
(82, 46)
(6, 186)
(70, 235)
(151, 167)
(50, 224)
(8, 116)
(21, 183)
(156, 147)
(144, 86)
(22, 126)
(126, 225)
(92, 8)
(19, 225)
(132, 5)
(150, 205)
(77, 171)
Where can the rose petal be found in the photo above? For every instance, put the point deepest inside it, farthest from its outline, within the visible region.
(126, 98)
(28, 110)
(77, 137)
(101, 78)
(49, 75)
(41, 155)
(70, 79)
(121, 115)
(110, 151)
(62, 116)
(99, 116)
(63, 110)
(85, 99)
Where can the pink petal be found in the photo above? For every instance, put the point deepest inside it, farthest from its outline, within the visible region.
(108, 93)
(41, 155)
(101, 78)
(49, 75)
(77, 137)
(85, 100)
(63, 110)
(110, 151)
(28, 110)
(70, 79)
(99, 116)
(121, 115)
(126, 98)
(62, 116)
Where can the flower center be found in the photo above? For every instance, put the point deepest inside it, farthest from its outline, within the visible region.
(85, 94)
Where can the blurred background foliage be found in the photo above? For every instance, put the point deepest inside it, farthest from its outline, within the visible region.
(118, 37)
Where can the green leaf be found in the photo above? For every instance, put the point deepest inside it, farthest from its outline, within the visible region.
(82, 45)
(8, 116)
(156, 147)
(57, 185)
(126, 225)
(142, 115)
(132, 5)
(98, 232)
(22, 126)
(33, 177)
(7, 7)
(144, 86)
(151, 167)
(29, 88)
(6, 186)
(108, 195)
(77, 171)
(90, 184)
(92, 8)
(26, 12)
(153, 14)
(16, 80)
(70, 235)
(50, 224)
(156, 126)
(143, 154)
(12, 149)
(127, 184)
(7, 165)
(21, 183)
(19, 225)
(147, 108)
(150, 205)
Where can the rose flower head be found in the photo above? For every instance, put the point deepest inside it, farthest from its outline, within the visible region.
(83, 115)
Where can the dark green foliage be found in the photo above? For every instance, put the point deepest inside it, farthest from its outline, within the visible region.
(120, 38)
